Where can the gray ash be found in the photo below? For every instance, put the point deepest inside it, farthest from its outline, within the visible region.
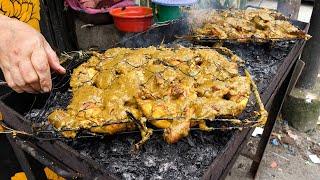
(189, 158)
(262, 60)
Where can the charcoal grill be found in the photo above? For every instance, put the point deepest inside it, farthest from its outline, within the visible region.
(272, 66)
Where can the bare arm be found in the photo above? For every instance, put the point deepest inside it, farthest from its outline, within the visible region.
(26, 57)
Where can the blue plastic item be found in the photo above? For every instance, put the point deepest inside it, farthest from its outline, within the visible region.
(174, 2)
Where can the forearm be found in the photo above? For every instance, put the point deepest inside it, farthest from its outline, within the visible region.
(3, 20)
(11, 23)
(5, 25)
(6, 31)
(10, 26)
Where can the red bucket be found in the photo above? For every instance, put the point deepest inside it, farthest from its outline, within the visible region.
(132, 19)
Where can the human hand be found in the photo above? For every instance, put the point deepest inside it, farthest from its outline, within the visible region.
(90, 3)
(26, 57)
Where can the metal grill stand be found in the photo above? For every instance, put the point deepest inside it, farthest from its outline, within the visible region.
(68, 163)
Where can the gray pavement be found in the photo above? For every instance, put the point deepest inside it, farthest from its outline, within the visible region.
(304, 13)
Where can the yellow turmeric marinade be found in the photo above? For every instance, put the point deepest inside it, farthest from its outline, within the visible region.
(245, 25)
(173, 89)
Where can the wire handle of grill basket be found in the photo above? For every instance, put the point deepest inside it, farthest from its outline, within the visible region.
(3, 83)
(240, 124)
(206, 39)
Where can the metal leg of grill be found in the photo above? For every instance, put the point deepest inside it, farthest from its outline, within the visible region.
(278, 100)
(31, 168)
(9, 163)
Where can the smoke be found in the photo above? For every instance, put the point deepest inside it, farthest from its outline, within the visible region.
(202, 12)
(220, 4)
(205, 4)
(197, 17)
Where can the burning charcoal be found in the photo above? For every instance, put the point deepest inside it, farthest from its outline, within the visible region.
(150, 161)
(190, 141)
(117, 167)
(190, 170)
(273, 70)
(129, 176)
(83, 153)
(101, 151)
(166, 166)
(156, 177)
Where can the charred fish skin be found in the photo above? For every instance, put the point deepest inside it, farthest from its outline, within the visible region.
(172, 89)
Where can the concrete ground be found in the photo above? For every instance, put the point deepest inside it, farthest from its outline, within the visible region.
(304, 13)
(288, 159)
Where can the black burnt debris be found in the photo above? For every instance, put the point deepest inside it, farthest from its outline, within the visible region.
(262, 60)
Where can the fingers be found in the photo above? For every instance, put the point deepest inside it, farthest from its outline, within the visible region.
(40, 64)
(19, 81)
(53, 59)
(14, 78)
(29, 75)
(10, 82)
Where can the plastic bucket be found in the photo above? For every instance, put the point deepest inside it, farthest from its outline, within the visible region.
(132, 19)
(165, 13)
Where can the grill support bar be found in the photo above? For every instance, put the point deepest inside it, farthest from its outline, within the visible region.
(24, 162)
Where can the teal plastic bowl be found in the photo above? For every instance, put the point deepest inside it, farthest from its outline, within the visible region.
(164, 13)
